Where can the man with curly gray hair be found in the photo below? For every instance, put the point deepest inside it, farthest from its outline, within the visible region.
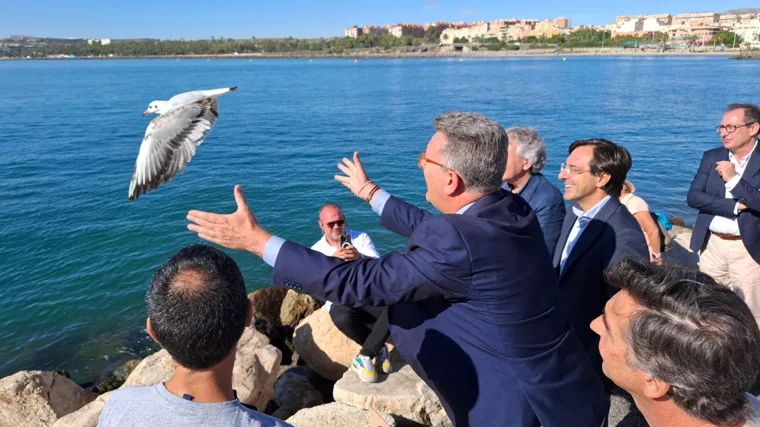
(685, 347)
(526, 157)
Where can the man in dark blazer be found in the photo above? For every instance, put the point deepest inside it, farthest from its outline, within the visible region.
(726, 191)
(526, 158)
(598, 232)
(473, 301)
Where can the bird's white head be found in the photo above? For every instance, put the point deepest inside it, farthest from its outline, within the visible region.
(155, 107)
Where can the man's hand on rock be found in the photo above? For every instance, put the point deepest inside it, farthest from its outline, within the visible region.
(239, 230)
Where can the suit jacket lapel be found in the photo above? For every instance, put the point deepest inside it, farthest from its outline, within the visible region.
(718, 186)
(592, 230)
(753, 167)
(570, 219)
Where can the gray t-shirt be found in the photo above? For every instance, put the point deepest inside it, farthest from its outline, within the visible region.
(157, 407)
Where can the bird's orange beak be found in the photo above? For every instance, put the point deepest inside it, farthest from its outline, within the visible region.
(146, 113)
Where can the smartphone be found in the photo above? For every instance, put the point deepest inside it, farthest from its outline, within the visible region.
(345, 240)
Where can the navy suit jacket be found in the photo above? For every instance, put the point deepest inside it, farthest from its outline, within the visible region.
(473, 309)
(606, 240)
(708, 194)
(546, 201)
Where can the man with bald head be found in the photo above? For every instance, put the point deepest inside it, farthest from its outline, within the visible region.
(367, 326)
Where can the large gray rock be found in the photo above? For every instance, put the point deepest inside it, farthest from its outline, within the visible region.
(295, 307)
(253, 377)
(293, 392)
(402, 393)
(680, 254)
(39, 398)
(330, 415)
(323, 346)
(623, 412)
(87, 416)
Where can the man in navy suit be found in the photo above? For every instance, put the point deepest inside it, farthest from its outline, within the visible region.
(473, 300)
(526, 158)
(598, 233)
(726, 191)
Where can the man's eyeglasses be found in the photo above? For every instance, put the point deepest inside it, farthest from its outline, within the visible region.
(422, 161)
(571, 170)
(332, 224)
(731, 128)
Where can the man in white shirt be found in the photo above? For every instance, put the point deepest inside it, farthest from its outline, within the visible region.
(725, 191)
(686, 348)
(353, 321)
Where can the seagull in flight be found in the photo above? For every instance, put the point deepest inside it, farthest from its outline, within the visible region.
(170, 140)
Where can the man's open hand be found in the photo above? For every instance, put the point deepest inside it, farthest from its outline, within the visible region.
(238, 230)
(355, 178)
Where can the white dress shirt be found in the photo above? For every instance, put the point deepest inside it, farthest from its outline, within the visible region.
(721, 224)
(580, 224)
(359, 240)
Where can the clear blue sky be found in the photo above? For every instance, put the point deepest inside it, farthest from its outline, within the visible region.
(192, 19)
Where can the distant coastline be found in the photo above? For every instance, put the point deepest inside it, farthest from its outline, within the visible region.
(362, 54)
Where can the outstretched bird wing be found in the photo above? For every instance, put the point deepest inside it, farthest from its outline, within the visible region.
(169, 144)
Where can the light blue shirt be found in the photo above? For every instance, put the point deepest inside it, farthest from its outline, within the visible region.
(274, 244)
(580, 224)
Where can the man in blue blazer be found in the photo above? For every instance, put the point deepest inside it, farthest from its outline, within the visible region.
(726, 191)
(526, 158)
(598, 232)
(473, 300)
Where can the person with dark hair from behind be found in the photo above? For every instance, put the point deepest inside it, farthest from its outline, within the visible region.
(526, 158)
(725, 190)
(597, 233)
(197, 311)
(686, 348)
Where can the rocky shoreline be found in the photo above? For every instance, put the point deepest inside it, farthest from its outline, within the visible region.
(417, 52)
(293, 364)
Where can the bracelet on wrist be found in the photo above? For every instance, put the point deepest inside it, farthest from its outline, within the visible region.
(358, 193)
(371, 193)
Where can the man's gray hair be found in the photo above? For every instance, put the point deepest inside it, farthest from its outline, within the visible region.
(475, 147)
(530, 146)
(694, 334)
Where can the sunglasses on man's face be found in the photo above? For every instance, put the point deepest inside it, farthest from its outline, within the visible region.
(332, 224)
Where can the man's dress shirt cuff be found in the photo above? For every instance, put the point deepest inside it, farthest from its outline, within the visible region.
(272, 249)
(378, 202)
(732, 182)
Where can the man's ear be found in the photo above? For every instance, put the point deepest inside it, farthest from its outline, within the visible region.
(602, 179)
(149, 328)
(655, 388)
(527, 165)
(454, 184)
(248, 313)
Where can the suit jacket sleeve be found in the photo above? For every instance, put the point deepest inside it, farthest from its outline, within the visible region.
(402, 217)
(416, 275)
(698, 198)
(747, 194)
(550, 217)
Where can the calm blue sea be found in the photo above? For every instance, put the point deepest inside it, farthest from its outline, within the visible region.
(76, 256)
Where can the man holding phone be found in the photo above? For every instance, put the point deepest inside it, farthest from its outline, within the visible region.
(349, 245)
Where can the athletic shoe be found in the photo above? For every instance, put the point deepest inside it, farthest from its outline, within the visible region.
(384, 360)
(363, 367)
